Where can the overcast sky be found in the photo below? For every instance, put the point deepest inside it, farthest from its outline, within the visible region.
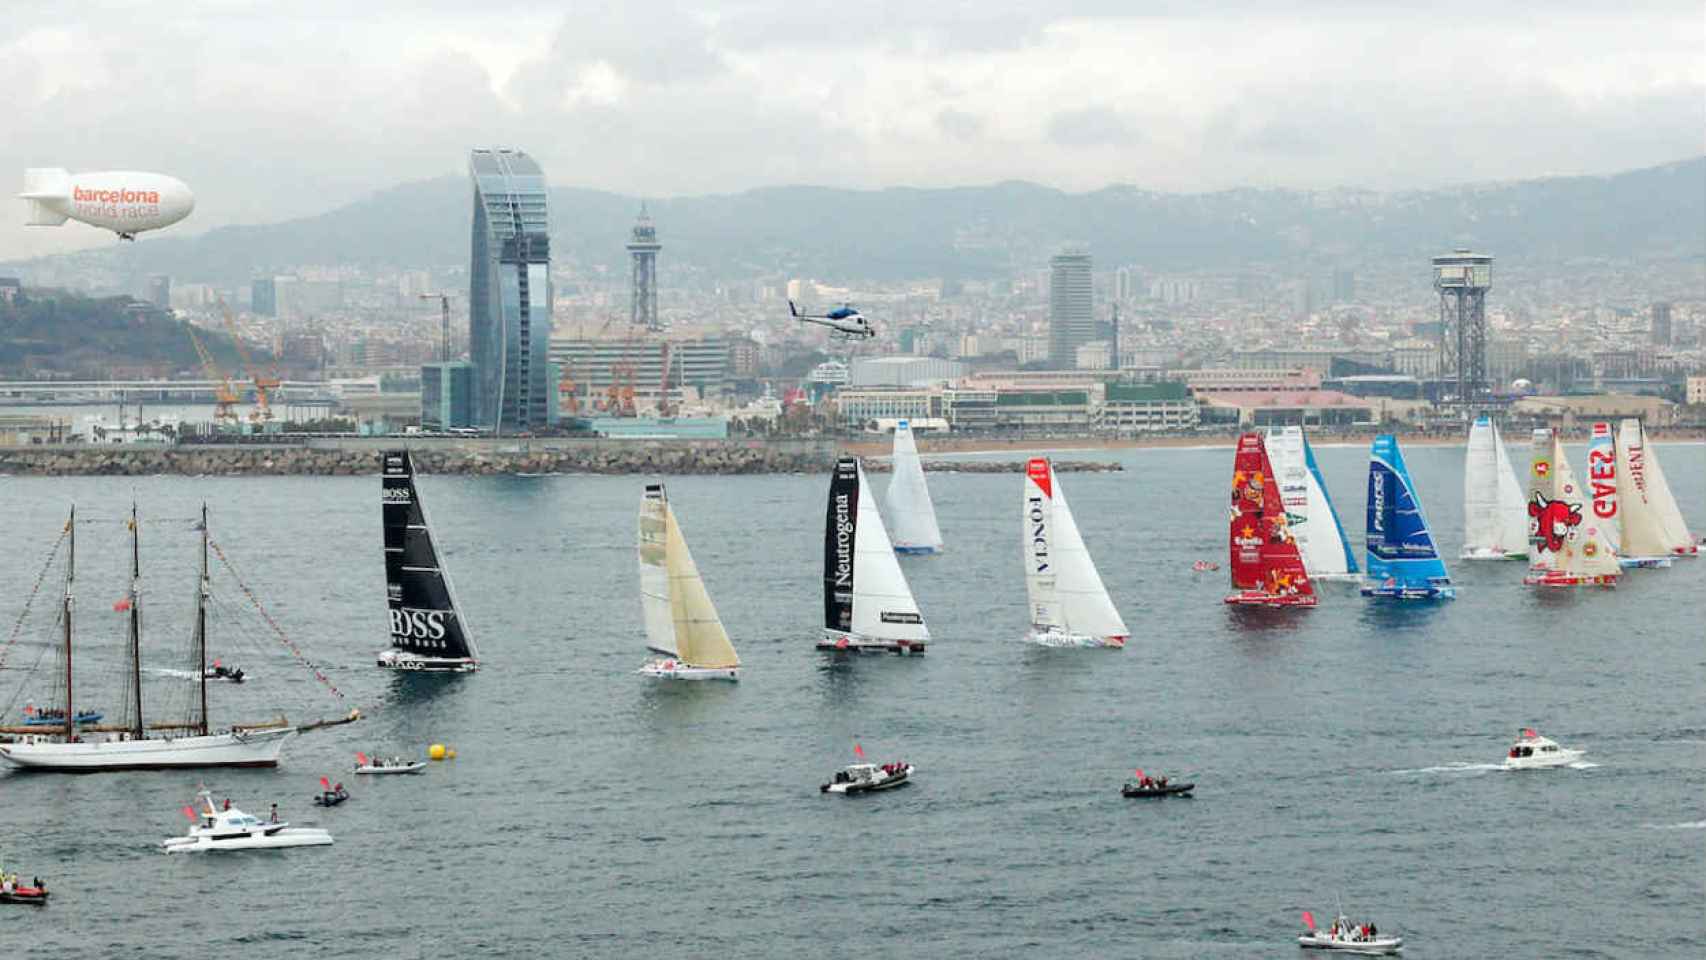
(269, 115)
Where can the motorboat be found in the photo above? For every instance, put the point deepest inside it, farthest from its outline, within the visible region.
(1157, 788)
(232, 829)
(1347, 937)
(330, 795)
(14, 890)
(220, 671)
(395, 765)
(1533, 752)
(55, 717)
(869, 778)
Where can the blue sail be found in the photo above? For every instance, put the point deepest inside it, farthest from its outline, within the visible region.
(1338, 527)
(1402, 560)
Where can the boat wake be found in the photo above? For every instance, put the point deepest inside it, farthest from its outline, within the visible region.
(1696, 825)
(1451, 768)
(1583, 765)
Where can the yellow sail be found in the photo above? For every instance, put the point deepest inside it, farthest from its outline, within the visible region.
(699, 635)
(654, 575)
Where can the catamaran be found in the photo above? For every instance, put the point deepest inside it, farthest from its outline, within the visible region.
(907, 502)
(139, 745)
(681, 623)
(1495, 517)
(1267, 568)
(1652, 523)
(867, 605)
(1606, 500)
(1309, 510)
(1403, 563)
(1069, 605)
(427, 630)
(1567, 544)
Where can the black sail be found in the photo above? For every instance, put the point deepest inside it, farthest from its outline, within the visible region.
(839, 528)
(424, 619)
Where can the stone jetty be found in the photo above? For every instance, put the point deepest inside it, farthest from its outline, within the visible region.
(472, 457)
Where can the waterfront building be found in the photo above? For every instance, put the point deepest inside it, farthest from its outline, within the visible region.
(447, 395)
(509, 295)
(1129, 408)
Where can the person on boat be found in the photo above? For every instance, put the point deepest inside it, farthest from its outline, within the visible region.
(227, 803)
(1373, 931)
(6, 885)
(274, 818)
(1163, 783)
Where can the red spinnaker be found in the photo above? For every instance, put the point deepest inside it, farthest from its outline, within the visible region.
(1264, 555)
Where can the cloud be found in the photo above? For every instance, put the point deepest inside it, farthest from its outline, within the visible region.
(270, 112)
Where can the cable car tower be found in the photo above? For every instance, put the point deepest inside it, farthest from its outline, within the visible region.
(1463, 279)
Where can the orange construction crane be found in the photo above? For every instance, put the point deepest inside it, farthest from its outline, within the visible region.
(224, 397)
(264, 384)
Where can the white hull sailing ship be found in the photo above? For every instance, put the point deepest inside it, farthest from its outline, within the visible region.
(1069, 604)
(1495, 516)
(682, 625)
(428, 632)
(139, 745)
(907, 502)
(867, 605)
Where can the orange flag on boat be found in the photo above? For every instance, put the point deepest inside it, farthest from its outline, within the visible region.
(121, 605)
(189, 812)
(325, 783)
(1140, 773)
(361, 758)
(1309, 919)
(858, 751)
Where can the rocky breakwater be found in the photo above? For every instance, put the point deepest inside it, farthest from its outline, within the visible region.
(360, 459)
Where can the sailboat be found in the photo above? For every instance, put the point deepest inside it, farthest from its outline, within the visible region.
(1495, 516)
(907, 502)
(1267, 568)
(1403, 562)
(1567, 544)
(681, 623)
(427, 629)
(1606, 498)
(1652, 522)
(1069, 605)
(867, 605)
(1309, 511)
(135, 746)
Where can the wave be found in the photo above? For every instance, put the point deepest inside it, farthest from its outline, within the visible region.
(1459, 767)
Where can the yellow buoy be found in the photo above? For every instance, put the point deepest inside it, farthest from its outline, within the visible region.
(436, 751)
(450, 754)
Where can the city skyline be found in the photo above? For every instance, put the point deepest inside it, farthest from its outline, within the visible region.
(1078, 96)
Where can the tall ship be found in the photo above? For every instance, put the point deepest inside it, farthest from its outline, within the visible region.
(1327, 553)
(1069, 605)
(138, 743)
(428, 631)
(682, 625)
(1495, 515)
(867, 604)
(1403, 562)
(1266, 565)
(907, 502)
(1652, 522)
(1567, 544)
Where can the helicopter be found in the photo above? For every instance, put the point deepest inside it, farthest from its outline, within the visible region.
(844, 321)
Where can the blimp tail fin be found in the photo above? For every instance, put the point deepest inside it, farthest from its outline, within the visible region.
(43, 186)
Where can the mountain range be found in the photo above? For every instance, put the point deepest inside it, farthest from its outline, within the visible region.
(966, 232)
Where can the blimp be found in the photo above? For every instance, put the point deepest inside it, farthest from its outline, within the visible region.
(127, 202)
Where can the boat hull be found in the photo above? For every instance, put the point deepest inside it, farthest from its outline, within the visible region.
(1552, 578)
(1256, 598)
(1644, 563)
(890, 782)
(1562, 758)
(1171, 790)
(1383, 592)
(1378, 946)
(251, 748)
(289, 837)
(904, 648)
(28, 895)
(400, 770)
(676, 670)
(1055, 638)
(1486, 553)
(915, 551)
(403, 660)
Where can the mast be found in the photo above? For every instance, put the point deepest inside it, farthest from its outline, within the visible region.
(136, 622)
(201, 624)
(70, 575)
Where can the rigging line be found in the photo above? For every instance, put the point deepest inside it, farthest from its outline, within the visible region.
(18, 627)
(27, 675)
(289, 644)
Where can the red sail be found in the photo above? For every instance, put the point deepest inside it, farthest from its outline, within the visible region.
(1265, 558)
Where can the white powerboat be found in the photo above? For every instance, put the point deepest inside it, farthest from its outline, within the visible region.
(380, 766)
(232, 829)
(1346, 937)
(869, 778)
(1533, 752)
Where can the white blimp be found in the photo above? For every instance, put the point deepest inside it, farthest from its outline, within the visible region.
(123, 201)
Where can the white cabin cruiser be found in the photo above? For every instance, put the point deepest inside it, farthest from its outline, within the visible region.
(380, 765)
(1533, 752)
(869, 778)
(232, 829)
(1346, 937)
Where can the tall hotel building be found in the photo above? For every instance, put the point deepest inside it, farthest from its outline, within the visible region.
(509, 295)
(1071, 315)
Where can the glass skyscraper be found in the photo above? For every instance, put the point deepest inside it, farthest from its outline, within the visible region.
(1071, 312)
(509, 295)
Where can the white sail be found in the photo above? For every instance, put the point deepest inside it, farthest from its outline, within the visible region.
(1084, 603)
(1564, 535)
(1649, 494)
(1494, 516)
(1308, 514)
(883, 608)
(699, 634)
(654, 572)
(1040, 544)
(907, 502)
(1601, 490)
